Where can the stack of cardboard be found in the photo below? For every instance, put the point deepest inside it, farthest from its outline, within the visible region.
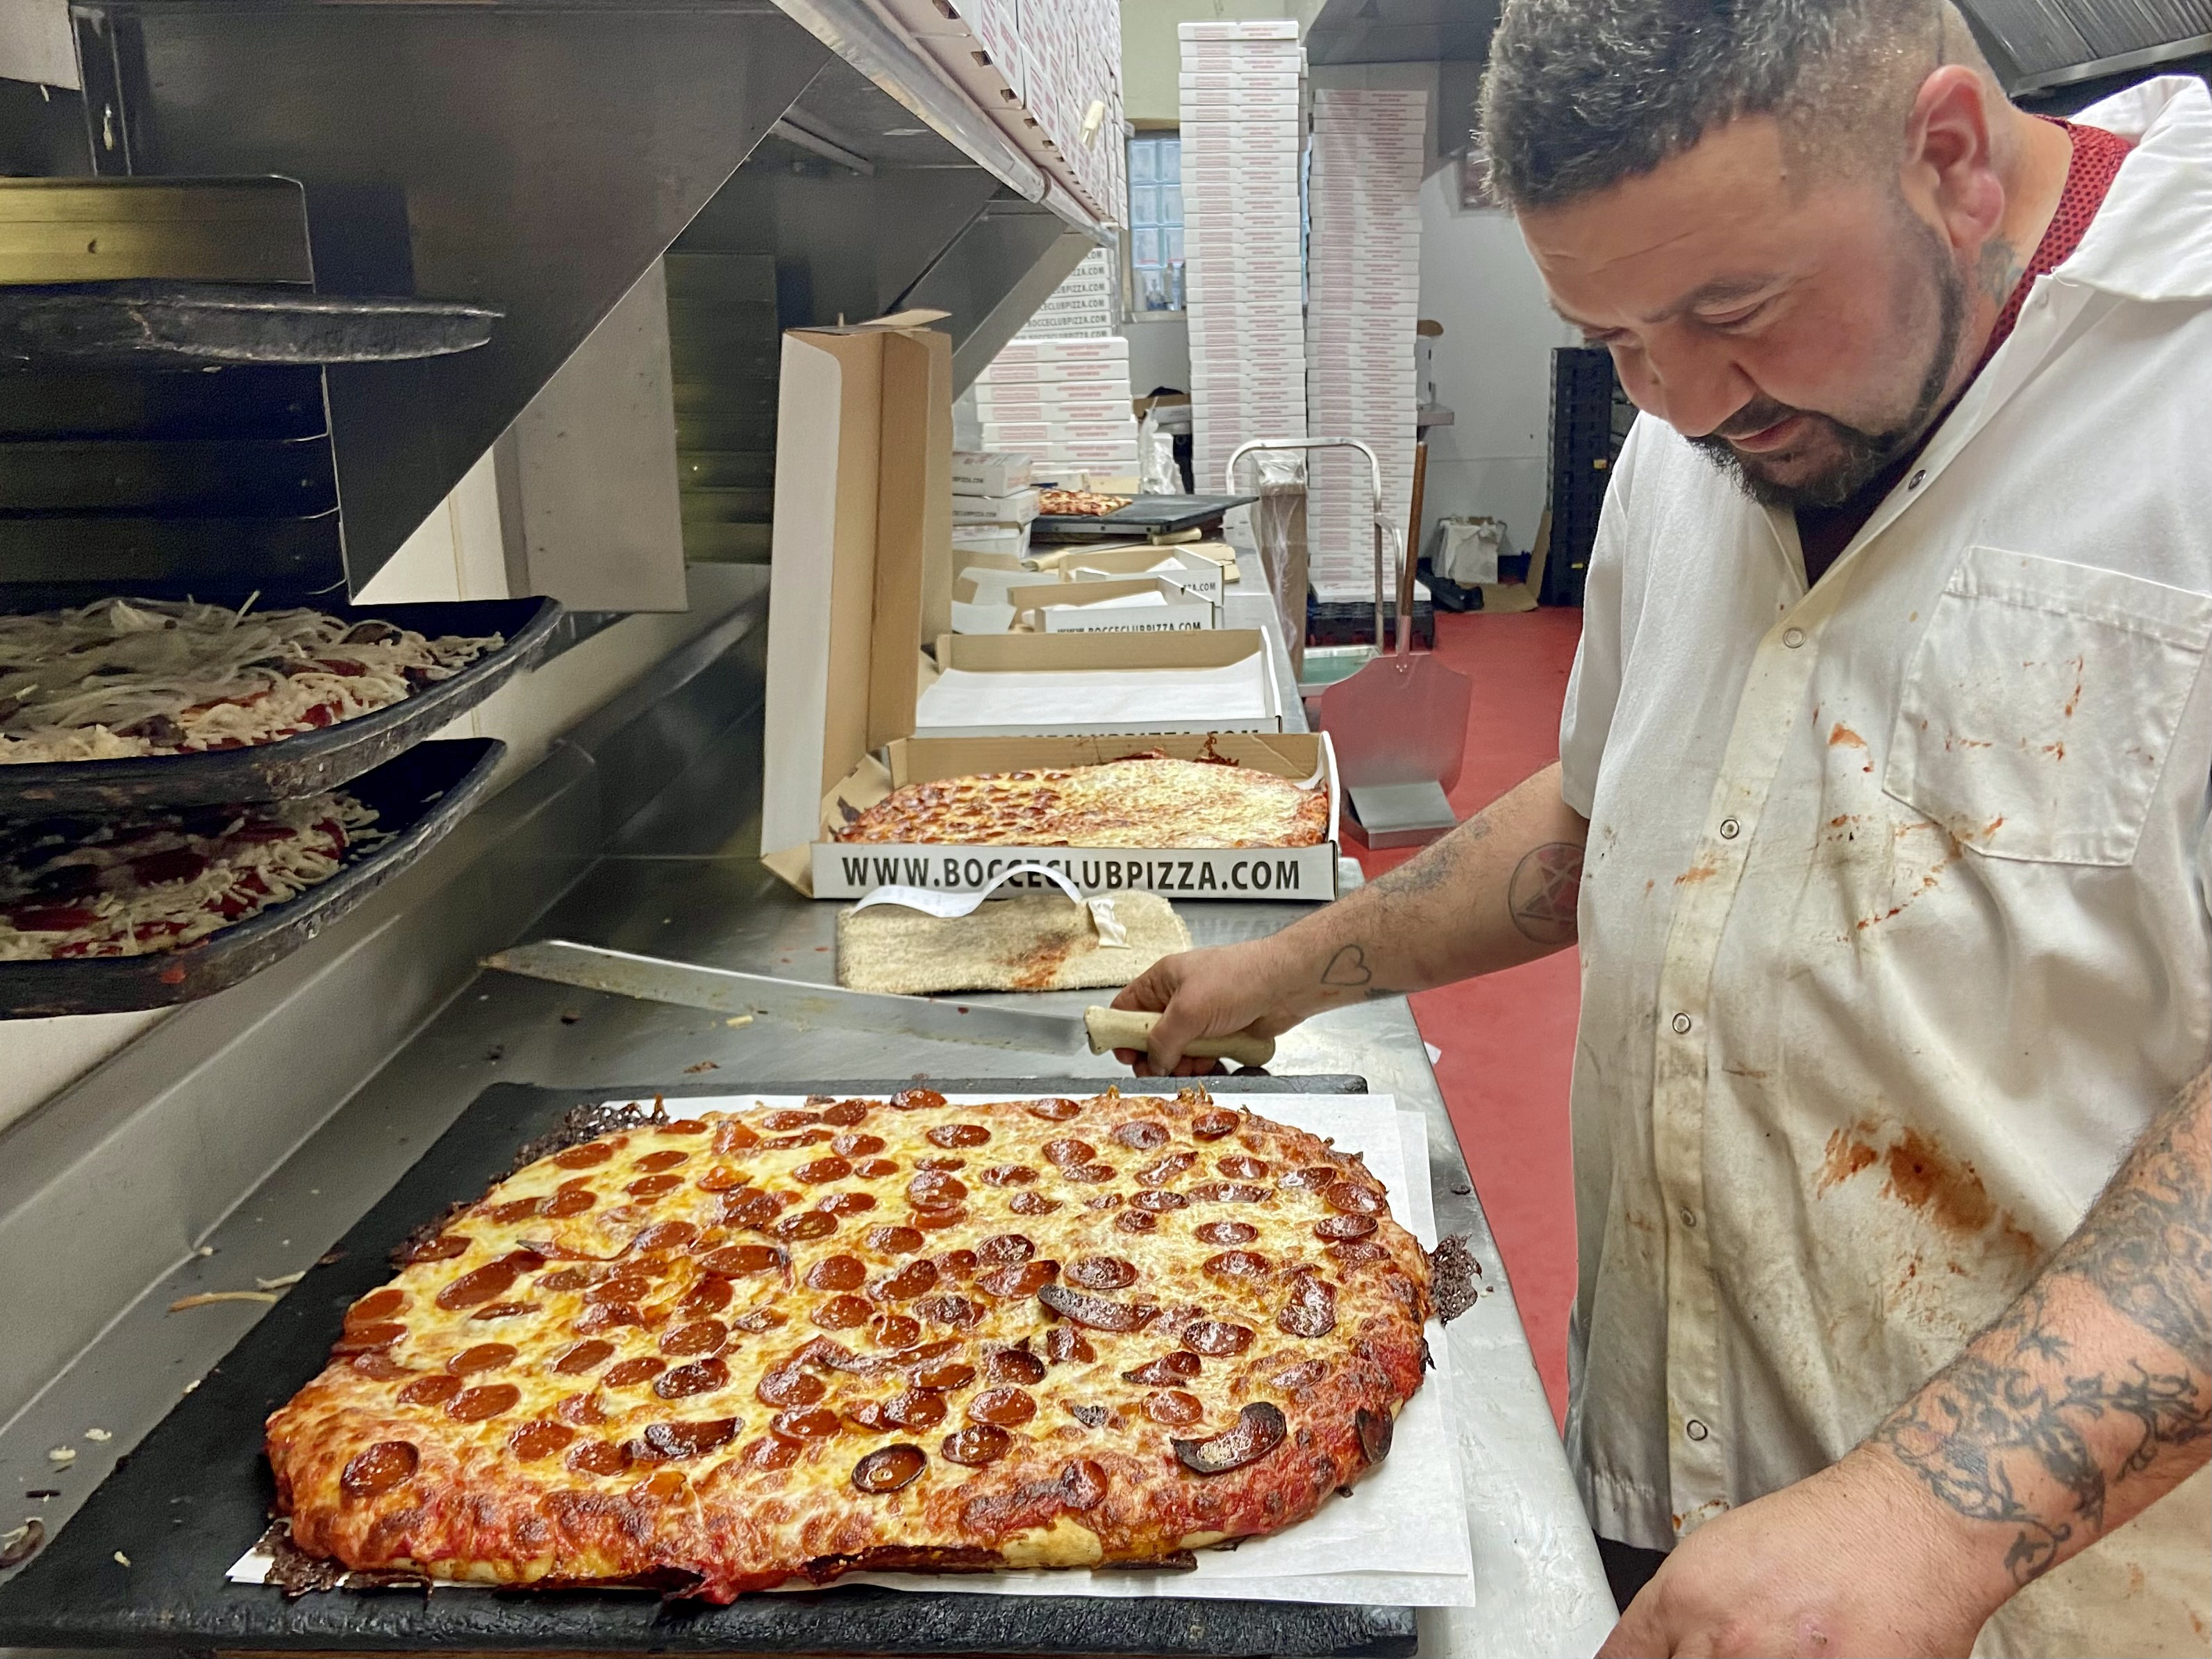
(1366, 254)
(1065, 402)
(1243, 131)
(1080, 308)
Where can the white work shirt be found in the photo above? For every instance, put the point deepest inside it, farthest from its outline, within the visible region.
(1894, 924)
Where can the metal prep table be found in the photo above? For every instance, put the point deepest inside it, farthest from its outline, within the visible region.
(682, 880)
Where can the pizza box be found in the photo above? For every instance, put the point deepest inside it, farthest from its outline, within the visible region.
(1306, 874)
(981, 474)
(1016, 508)
(1140, 604)
(1185, 566)
(1073, 685)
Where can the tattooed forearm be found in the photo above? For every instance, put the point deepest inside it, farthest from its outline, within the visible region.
(2093, 1394)
(1546, 888)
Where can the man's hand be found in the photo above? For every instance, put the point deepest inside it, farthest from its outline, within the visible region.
(1203, 993)
(1855, 1559)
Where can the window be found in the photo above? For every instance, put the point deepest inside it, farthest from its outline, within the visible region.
(1156, 222)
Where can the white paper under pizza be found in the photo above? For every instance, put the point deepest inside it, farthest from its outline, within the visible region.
(965, 701)
(1400, 1539)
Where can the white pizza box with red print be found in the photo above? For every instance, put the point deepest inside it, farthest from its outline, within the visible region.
(1016, 508)
(982, 474)
(851, 869)
(1186, 566)
(1041, 604)
(1106, 348)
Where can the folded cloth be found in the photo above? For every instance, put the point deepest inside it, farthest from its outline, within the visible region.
(1037, 942)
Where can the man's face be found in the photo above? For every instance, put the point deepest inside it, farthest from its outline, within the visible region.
(1801, 335)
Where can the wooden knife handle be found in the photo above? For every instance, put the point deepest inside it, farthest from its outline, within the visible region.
(1127, 1028)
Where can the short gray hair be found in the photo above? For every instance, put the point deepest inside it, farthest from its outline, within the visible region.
(1582, 93)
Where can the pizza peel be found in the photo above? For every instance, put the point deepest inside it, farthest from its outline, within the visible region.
(726, 991)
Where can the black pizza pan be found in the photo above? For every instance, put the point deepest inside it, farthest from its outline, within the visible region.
(418, 797)
(196, 1493)
(312, 762)
(1146, 515)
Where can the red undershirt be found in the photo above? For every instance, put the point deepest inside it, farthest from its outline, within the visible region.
(1824, 532)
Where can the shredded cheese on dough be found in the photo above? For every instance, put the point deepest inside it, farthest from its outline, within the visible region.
(133, 887)
(119, 678)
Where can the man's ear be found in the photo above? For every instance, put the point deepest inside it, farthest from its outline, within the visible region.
(1950, 172)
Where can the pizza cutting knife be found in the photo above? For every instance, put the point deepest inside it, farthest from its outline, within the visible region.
(726, 991)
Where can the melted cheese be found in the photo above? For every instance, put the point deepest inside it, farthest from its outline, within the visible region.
(1144, 801)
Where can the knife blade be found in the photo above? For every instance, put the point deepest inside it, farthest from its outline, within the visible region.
(728, 991)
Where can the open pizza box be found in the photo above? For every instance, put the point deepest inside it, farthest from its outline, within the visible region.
(1188, 566)
(861, 576)
(1144, 604)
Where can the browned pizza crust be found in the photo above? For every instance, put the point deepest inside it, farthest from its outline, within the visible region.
(796, 1343)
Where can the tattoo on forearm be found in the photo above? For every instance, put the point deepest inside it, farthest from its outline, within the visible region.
(1545, 889)
(2002, 1433)
(1348, 970)
(1434, 865)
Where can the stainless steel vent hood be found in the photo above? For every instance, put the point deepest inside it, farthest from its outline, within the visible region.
(537, 157)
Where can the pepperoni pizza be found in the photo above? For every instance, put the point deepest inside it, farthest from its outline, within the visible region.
(719, 1353)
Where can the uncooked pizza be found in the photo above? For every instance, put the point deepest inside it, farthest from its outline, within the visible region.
(121, 678)
(720, 1352)
(1141, 800)
(1080, 503)
(73, 887)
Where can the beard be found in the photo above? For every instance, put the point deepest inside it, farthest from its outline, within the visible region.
(1856, 455)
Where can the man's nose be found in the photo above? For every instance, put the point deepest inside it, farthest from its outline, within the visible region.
(1693, 390)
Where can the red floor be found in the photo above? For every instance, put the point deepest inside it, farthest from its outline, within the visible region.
(1508, 1039)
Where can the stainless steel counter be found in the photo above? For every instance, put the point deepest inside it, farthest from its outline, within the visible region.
(685, 882)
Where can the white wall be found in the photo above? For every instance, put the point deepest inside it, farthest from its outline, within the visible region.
(1492, 366)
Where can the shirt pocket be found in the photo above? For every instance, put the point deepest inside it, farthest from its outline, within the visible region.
(2041, 704)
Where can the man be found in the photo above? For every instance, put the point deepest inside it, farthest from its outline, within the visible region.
(1883, 780)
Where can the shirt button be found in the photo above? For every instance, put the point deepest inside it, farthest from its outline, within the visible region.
(1916, 479)
(1695, 1430)
(1793, 637)
(1730, 828)
(1689, 1216)
(1681, 1024)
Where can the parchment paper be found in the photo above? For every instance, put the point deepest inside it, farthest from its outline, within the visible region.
(1104, 700)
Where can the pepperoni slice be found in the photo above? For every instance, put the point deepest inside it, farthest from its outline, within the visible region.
(1064, 1344)
(876, 1168)
(697, 1340)
(378, 1366)
(749, 1209)
(732, 1136)
(787, 1385)
(894, 1241)
(943, 1374)
(915, 1278)
(760, 1319)
(1165, 1168)
(844, 1313)
(1311, 1310)
(503, 1309)
(957, 1134)
(1007, 1408)
(1353, 1252)
(940, 1220)
(598, 1457)
(652, 1186)
(819, 1423)
(1102, 1273)
(857, 1146)
(582, 1409)
(708, 1295)
(1234, 1266)
(694, 1439)
(769, 1454)
(1016, 1365)
(1089, 1173)
(1017, 1280)
(1239, 1166)
(1226, 1232)
(430, 1390)
(1344, 1226)
(622, 1287)
(629, 1373)
(365, 1339)
(847, 1112)
(1103, 1200)
(1067, 1150)
(375, 1306)
(1259, 1429)
(476, 1404)
(682, 1126)
(1135, 1221)
(378, 1469)
(1142, 1136)
(933, 1189)
(889, 1468)
(1057, 1110)
(654, 1162)
(894, 1331)
(941, 1161)
(571, 1200)
(586, 1156)
(1032, 1204)
(1009, 1175)
(700, 1376)
(821, 1171)
(584, 1357)
(665, 1235)
(1212, 1126)
(484, 1357)
(1314, 1177)
(1160, 1202)
(977, 1444)
(788, 1117)
(957, 1311)
(721, 1178)
(566, 1279)
(1229, 1192)
(534, 1441)
(1174, 1407)
(809, 1224)
(514, 1210)
(1349, 1198)
(837, 1272)
(479, 1284)
(1099, 1313)
(958, 1264)
(844, 1204)
(1215, 1338)
(1165, 1371)
(607, 1317)
(914, 1410)
(916, 1100)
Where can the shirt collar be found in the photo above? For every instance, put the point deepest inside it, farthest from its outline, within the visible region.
(2151, 238)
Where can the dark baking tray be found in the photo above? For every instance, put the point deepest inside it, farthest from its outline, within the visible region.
(1146, 515)
(418, 798)
(194, 1495)
(314, 760)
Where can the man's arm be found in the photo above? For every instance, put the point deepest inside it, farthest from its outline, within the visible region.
(2088, 1400)
(1498, 891)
